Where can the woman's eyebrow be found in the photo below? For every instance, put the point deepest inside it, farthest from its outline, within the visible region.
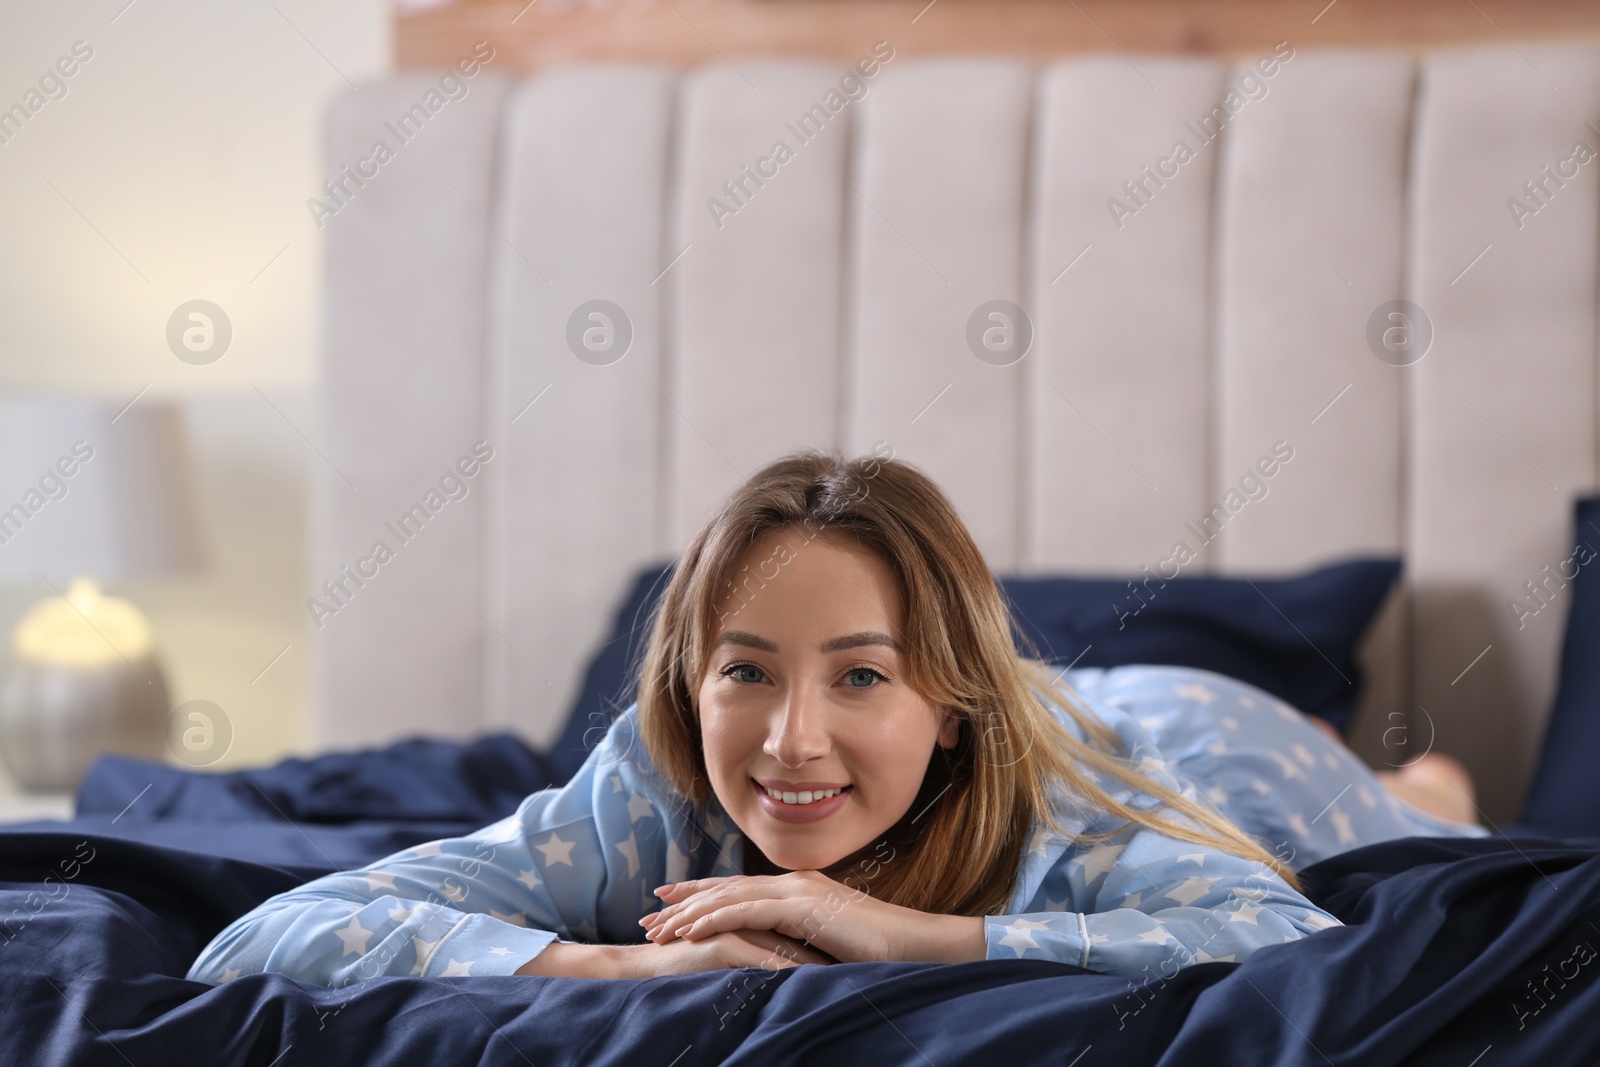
(833, 644)
(866, 637)
(742, 637)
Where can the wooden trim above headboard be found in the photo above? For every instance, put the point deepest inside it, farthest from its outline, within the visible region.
(527, 35)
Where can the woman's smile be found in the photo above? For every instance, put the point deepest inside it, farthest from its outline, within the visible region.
(805, 805)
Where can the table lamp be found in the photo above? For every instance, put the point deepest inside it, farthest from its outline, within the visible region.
(88, 492)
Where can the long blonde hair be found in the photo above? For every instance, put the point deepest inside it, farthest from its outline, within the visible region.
(984, 793)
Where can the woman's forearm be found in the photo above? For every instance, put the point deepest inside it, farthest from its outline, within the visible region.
(568, 959)
(948, 939)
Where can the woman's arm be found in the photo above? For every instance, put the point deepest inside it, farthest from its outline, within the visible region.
(948, 939)
(568, 959)
(1144, 905)
(571, 863)
(743, 948)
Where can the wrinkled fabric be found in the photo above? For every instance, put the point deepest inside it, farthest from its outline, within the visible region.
(418, 779)
(1451, 947)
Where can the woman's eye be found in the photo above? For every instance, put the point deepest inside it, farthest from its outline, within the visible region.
(862, 677)
(855, 678)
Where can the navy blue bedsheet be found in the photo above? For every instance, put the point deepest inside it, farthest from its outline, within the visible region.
(1454, 947)
(418, 778)
(1445, 936)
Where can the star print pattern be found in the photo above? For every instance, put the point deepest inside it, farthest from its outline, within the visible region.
(630, 852)
(424, 951)
(1278, 776)
(1140, 900)
(1190, 890)
(1246, 912)
(1290, 770)
(354, 937)
(556, 850)
(1019, 936)
(1097, 861)
(1194, 691)
(578, 862)
(1341, 826)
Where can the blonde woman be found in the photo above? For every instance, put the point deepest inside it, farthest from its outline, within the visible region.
(838, 755)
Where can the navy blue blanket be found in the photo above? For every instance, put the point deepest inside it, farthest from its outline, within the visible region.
(1455, 949)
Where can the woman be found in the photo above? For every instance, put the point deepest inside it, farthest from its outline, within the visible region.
(837, 754)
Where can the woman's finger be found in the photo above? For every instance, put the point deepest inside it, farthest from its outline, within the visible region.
(669, 918)
(673, 892)
(679, 890)
(730, 892)
(775, 915)
(681, 895)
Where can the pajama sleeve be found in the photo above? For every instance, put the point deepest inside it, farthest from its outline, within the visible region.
(575, 862)
(1142, 903)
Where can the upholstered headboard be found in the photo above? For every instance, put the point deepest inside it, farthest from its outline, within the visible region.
(1190, 310)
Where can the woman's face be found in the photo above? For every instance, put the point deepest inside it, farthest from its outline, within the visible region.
(805, 692)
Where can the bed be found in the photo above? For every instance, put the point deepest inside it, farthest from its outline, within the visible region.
(1455, 951)
(841, 298)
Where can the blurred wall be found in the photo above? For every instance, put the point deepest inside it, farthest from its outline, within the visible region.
(174, 164)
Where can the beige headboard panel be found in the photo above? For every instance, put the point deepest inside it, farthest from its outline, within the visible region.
(1187, 319)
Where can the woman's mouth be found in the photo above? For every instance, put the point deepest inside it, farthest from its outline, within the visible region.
(800, 805)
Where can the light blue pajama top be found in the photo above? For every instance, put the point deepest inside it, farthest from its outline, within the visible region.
(579, 862)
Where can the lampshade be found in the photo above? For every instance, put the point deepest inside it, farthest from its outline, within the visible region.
(96, 489)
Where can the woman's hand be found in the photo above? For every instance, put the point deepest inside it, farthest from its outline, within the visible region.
(737, 948)
(808, 906)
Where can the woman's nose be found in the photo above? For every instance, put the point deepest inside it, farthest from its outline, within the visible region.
(798, 733)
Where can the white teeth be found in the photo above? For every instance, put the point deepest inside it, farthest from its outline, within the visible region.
(805, 796)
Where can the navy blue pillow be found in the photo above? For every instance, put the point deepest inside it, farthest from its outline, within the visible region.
(1564, 800)
(1294, 637)
(607, 685)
